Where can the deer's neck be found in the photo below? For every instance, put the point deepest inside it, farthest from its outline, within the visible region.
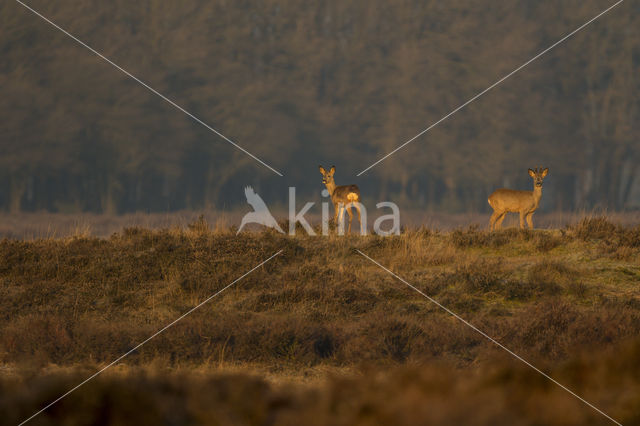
(331, 186)
(537, 194)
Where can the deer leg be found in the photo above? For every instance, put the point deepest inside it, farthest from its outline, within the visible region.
(500, 219)
(530, 220)
(492, 221)
(340, 218)
(350, 219)
(359, 218)
(521, 220)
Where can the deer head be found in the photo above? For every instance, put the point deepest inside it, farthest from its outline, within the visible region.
(327, 176)
(538, 175)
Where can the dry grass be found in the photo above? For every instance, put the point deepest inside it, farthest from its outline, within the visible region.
(563, 299)
(60, 225)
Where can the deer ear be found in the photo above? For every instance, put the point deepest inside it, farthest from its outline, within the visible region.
(332, 171)
(322, 170)
(532, 173)
(545, 171)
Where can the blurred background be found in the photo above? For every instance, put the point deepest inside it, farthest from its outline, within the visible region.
(329, 82)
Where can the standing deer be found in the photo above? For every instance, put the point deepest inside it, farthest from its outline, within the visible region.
(342, 197)
(504, 201)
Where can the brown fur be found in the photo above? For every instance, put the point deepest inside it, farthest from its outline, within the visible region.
(505, 201)
(341, 196)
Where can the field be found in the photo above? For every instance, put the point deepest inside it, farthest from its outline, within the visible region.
(320, 334)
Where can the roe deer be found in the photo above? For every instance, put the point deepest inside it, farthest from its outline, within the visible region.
(504, 201)
(342, 197)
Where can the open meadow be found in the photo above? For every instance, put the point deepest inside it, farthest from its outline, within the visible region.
(154, 154)
(320, 334)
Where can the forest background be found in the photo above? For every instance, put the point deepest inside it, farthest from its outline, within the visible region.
(329, 82)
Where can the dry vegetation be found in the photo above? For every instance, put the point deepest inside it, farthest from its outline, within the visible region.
(320, 333)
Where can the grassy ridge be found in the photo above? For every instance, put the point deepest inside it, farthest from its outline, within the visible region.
(566, 300)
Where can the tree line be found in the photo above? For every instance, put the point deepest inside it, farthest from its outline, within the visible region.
(301, 84)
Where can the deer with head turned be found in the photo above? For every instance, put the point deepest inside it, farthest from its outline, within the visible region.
(342, 197)
(505, 201)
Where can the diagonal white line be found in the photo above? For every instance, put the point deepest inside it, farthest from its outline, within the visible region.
(492, 86)
(467, 323)
(151, 89)
(149, 338)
